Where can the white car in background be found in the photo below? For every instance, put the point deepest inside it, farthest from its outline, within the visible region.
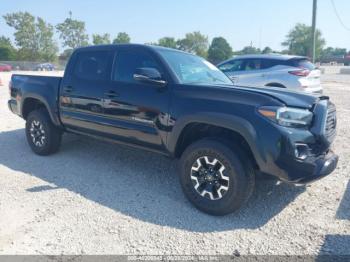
(295, 73)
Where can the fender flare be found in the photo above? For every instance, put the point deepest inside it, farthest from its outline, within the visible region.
(41, 99)
(234, 123)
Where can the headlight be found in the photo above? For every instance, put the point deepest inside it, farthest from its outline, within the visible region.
(288, 116)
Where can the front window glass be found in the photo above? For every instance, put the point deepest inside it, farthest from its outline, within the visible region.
(232, 66)
(191, 69)
(128, 61)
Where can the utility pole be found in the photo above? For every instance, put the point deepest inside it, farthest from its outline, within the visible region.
(314, 12)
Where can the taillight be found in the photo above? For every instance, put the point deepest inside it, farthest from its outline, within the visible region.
(300, 72)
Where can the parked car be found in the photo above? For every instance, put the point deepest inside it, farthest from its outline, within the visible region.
(5, 68)
(295, 73)
(181, 106)
(44, 67)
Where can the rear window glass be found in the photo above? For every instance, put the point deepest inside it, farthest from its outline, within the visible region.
(253, 64)
(268, 63)
(93, 65)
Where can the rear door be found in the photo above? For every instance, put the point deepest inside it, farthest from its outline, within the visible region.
(137, 111)
(82, 90)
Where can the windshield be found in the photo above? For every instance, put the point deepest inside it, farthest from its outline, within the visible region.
(191, 69)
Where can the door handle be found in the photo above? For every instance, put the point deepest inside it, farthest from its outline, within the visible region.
(111, 94)
(68, 89)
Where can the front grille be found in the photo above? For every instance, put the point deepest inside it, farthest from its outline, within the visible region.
(331, 122)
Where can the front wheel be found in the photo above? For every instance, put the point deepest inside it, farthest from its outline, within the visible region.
(216, 178)
(43, 137)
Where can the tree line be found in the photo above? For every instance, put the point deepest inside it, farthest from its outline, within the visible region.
(34, 41)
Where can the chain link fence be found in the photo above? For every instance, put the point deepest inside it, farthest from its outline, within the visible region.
(35, 66)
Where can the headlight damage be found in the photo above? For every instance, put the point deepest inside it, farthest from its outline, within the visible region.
(287, 116)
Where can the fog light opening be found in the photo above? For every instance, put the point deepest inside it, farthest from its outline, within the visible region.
(301, 151)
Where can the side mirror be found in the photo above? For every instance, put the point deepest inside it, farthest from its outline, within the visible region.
(149, 75)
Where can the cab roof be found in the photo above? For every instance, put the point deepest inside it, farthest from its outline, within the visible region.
(274, 56)
(116, 46)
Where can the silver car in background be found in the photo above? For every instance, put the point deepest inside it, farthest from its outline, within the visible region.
(295, 73)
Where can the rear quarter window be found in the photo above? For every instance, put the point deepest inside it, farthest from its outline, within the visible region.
(302, 63)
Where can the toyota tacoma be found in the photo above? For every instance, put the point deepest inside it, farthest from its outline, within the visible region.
(181, 106)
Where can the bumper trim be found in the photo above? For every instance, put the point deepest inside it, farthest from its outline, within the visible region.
(12, 105)
(324, 167)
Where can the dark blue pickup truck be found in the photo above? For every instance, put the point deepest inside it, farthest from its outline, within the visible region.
(180, 105)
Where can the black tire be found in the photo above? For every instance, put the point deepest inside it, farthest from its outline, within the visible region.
(52, 135)
(237, 166)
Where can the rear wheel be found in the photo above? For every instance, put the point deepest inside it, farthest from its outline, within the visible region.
(216, 178)
(43, 137)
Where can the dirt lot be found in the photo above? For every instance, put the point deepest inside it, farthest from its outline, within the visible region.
(98, 198)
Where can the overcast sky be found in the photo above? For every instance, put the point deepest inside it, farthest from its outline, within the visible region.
(262, 22)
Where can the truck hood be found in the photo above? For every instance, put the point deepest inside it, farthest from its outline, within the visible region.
(289, 98)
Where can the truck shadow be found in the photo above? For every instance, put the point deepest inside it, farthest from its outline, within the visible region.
(343, 211)
(335, 248)
(136, 183)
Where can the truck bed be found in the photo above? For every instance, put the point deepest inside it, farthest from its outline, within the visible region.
(44, 88)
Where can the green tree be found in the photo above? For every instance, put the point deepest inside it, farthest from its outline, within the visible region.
(104, 39)
(7, 51)
(47, 46)
(219, 50)
(167, 42)
(333, 52)
(72, 32)
(122, 38)
(248, 50)
(195, 43)
(66, 54)
(33, 36)
(267, 50)
(339, 51)
(299, 41)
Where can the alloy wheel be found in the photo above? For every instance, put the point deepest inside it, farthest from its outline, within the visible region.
(208, 178)
(37, 133)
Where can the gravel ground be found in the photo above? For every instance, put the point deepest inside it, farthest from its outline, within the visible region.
(99, 198)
